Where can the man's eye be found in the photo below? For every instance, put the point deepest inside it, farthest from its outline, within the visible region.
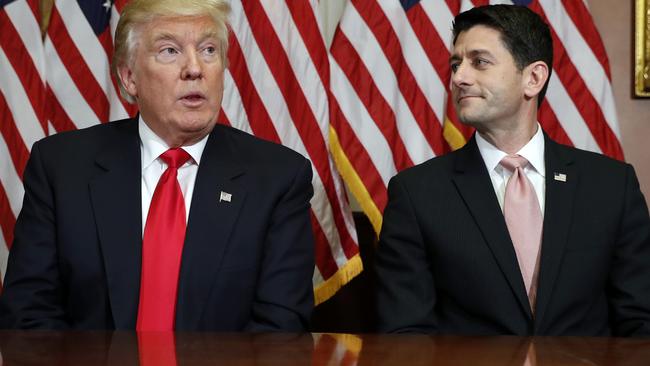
(169, 51)
(210, 50)
(454, 66)
(480, 62)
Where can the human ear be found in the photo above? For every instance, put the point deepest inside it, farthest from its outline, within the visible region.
(127, 79)
(535, 78)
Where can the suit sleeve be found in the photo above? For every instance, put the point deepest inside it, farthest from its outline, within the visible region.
(32, 293)
(630, 273)
(284, 296)
(405, 285)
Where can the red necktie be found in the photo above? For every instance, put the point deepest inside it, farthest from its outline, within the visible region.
(162, 246)
(524, 219)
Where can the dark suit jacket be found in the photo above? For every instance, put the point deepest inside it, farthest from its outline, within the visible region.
(76, 258)
(446, 264)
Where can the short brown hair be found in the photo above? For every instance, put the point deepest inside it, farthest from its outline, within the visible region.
(523, 32)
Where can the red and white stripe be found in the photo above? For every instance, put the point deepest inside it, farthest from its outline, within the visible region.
(390, 81)
(22, 93)
(276, 87)
(79, 82)
(387, 78)
(58, 84)
(582, 73)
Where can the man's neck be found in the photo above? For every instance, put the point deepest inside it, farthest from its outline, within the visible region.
(510, 140)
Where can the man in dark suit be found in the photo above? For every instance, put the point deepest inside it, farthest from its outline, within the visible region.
(513, 233)
(166, 221)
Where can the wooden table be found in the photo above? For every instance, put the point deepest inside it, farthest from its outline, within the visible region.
(122, 349)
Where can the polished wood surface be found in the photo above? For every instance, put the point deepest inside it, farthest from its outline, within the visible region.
(127, 348)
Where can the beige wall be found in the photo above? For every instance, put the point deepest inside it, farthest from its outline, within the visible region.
(615, 21)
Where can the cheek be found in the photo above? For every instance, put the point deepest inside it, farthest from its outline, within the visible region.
(454, 92)
(219, 76)
(159, 78)
(218, 85)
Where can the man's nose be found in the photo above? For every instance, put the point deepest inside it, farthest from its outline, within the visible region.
(462, 76)
(193, 67)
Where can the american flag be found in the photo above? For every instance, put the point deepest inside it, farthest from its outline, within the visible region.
(22, 102)
(390, 82)
(78, 49)
(276, 88)
(387, 80)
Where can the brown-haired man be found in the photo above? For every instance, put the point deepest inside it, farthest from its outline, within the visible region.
(513, 233)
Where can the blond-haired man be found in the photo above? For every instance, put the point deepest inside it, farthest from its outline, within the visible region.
(167, 221)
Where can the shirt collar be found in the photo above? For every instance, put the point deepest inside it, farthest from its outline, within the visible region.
(153, 146)
(533, 151)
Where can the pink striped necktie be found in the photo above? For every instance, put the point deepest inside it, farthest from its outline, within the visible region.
(524, 219)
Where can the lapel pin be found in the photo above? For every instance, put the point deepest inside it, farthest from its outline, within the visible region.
(225, 197)
(560, 177)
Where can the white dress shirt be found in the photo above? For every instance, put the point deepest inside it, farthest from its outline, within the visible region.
(151, 147)
(533, 151)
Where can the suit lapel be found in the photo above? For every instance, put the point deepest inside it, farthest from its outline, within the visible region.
(116, 200)
(474, 185)
(210, 224)
(560, 193)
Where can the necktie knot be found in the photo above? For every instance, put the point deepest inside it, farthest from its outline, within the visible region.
(512, 162)
(175, 158)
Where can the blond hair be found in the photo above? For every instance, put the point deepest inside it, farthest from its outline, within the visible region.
(139, 12)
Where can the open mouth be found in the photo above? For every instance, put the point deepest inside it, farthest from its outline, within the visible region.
(193, 99)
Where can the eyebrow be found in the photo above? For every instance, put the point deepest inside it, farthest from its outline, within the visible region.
(166, 36)
(472, 53)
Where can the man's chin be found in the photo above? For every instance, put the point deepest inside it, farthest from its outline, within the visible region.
(194, 128)
(469, 119)
(191, 122)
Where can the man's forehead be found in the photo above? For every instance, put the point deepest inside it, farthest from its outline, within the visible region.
(479, 32)
(180, 26)
(478, 39)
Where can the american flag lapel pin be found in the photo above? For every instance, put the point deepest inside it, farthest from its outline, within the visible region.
(560, 177)
(225, 197)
